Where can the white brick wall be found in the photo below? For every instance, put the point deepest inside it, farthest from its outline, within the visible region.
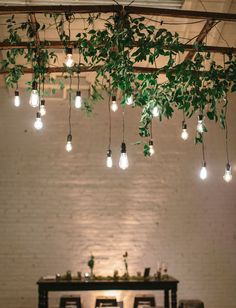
(57, 208)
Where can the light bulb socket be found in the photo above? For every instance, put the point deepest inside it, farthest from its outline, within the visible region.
(113, 98)
(109, 153)
(200, 117)
(38, 115)
(184, 125)
(16, 93)
(78, 93)
(123, 147)
(69, 138)
(34, 85)
(42, 102)
(150, 142)
(228, 167)
(204, 164)
(69, 51)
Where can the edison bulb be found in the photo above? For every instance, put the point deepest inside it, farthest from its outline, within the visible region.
(109, 159)
(34, 98)
(151, 148)
(200, 125)
(69, 62)
(38, 124)
(17, 99)
(78, 100)
(42, 108)
(114, 105)
(68, 146)
(184, 133)
(123, 162)
(203, 172)
(156, 112)
(129, 100)
(228, 174)
(69, 143)
(200, 128)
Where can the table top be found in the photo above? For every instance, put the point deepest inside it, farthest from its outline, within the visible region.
(87, 285)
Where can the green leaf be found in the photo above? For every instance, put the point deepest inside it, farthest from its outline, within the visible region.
(211, 115)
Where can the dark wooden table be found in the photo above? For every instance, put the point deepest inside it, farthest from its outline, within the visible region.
(169, 286)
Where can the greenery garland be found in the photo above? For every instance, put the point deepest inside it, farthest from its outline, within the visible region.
(116, 48)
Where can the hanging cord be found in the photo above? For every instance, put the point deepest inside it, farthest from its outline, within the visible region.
(39, 92)
(78, 72)
(226, 124)
(184, 119)
(203, 151)
(69, 114)
(43, 79)
(69, 29)
(226, 132)
(78, 81)
(151, 129)
(123, 124)
(109, 118)
(70, 18)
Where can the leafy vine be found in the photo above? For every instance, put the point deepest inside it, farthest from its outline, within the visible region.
(116, 49)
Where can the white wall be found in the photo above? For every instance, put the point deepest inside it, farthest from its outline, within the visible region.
(57, 208)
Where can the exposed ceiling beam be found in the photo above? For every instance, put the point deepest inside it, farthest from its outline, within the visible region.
(201, 36)
(85, 69)
(59, 45)
(85, 9)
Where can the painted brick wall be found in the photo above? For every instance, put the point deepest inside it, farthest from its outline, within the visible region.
(56, 208)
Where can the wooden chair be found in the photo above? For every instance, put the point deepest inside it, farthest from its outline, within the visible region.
(70, 301)
(147, 300)
(191, 303)
(106, 302)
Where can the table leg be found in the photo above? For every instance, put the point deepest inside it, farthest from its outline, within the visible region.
(167, 302)
(42, 299)
(173, 298)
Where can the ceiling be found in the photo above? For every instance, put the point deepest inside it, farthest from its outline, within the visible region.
(183, 27)
(175, 4)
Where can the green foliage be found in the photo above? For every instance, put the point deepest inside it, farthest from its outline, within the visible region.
(114, 49)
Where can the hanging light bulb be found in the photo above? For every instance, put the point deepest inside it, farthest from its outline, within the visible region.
(184, 133)
(69, 143)
(34, 96)
(228, 174)
(123, 163)
(200, 124)
(203, 172)
(78, 100)
(109, 159)
(69, 62)
(114, 105)
(151, 147)
(17, 99)
(42, 108)
(130, 100)
(156, 111)
(38, 124)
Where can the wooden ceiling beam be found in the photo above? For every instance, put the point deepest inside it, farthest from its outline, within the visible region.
(201, 36)
(86, 9)
(85, 69)
(59, 45)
